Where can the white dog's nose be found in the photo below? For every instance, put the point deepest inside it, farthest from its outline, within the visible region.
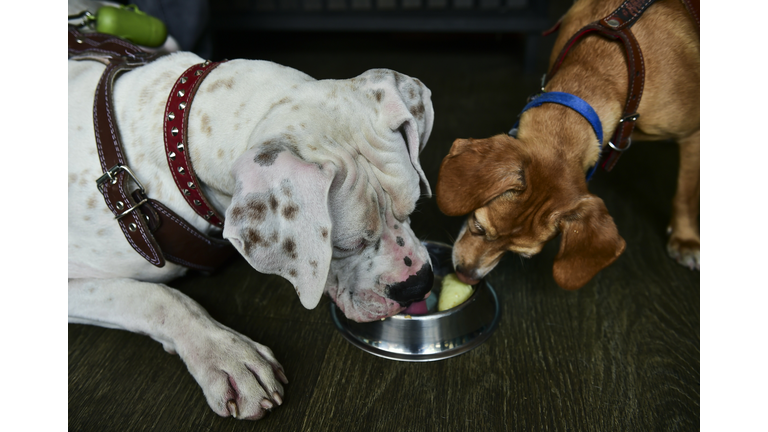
(414, 288)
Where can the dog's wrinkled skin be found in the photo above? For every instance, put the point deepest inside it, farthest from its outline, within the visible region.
(317, 180)
(522, 192)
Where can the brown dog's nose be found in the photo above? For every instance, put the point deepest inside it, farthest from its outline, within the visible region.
(414, 288)
(468, 277)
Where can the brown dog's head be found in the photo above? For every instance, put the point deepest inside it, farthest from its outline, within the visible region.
(517, 202)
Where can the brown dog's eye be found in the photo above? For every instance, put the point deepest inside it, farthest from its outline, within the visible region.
(475, 227)
(479, 227)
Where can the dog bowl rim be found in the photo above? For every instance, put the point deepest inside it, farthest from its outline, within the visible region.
(453, 352)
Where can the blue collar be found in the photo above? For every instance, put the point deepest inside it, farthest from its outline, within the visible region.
(573, 102)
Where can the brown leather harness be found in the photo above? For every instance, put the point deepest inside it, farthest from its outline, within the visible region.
(153, 230)
(616, 26)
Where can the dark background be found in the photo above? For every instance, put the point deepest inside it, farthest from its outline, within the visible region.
(621, 354)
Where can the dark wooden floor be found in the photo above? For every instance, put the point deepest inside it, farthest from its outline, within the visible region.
(621, 354)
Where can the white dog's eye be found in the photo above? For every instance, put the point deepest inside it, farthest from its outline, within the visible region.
(344, 249)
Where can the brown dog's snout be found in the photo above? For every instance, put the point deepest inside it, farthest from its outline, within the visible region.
(414, 288)
(469, 277)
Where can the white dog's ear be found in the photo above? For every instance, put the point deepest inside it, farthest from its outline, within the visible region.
(407, 105)
(279, 218)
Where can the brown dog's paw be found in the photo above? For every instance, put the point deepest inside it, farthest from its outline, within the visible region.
(684, 251)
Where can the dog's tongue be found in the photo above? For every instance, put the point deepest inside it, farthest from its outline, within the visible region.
(416, 308)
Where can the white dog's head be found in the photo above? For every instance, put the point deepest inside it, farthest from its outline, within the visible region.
(324, 193)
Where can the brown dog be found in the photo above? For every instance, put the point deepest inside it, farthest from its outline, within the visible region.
(521, 192)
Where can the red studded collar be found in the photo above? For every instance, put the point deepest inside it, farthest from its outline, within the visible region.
(175, 125)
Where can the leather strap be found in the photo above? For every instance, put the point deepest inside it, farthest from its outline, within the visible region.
(103, 47)
(184, 244)
(175, 133)
(626, 14)
(616, 26)
(153, 230)
(693, 9)
(114, 183)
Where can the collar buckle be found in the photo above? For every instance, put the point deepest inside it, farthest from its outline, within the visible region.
(111, 176)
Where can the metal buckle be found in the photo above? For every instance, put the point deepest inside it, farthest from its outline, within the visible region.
(111, 176)
(125, 213)
(631, 117)
(629, 144)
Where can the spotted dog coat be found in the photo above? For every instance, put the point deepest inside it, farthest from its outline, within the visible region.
(317, 179)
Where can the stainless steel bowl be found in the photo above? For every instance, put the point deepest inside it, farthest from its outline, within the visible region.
(434, 336)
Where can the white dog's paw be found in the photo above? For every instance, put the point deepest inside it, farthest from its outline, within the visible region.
(239, 377)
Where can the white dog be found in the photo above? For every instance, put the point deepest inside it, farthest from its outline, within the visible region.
(316, 180)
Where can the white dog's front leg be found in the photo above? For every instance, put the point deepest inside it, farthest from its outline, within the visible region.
(239, 377)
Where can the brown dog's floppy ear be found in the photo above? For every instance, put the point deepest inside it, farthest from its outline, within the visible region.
(590, 242)
(476, 171)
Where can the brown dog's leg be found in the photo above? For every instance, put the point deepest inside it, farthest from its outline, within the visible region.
(683, 244)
